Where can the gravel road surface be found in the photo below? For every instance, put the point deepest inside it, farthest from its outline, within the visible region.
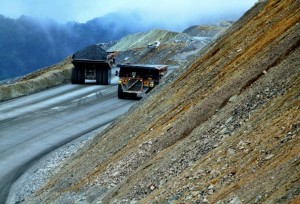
(36, 125)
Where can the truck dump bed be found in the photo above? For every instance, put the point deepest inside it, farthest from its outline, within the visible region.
(91, 63)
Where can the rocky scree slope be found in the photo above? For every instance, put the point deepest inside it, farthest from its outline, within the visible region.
(208, 30)
(226, 130)
(173, 48)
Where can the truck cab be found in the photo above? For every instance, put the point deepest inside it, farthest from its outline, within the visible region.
(135, 80)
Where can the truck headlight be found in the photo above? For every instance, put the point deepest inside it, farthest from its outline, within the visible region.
(151, 84)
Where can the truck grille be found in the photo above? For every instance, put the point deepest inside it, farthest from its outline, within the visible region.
(135, 85)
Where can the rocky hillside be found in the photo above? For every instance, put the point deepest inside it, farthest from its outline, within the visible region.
(224, 130)
(166, 47)
(37, 81)
(207, 30)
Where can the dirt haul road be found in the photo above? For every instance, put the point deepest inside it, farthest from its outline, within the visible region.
(35, 125)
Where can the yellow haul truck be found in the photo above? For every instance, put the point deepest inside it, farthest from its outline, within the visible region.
(135, 80)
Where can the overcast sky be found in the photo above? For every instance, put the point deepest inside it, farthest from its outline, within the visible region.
(165, 10)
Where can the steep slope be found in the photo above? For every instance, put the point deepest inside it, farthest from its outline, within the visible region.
(207, 30)
(142, 39)
(171, 48)
(224, 130)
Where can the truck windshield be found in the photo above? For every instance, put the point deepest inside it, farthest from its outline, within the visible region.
(142, 73)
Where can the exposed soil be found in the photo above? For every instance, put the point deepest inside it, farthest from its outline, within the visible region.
(223, 128)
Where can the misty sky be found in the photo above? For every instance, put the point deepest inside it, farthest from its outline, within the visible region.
(172, 11)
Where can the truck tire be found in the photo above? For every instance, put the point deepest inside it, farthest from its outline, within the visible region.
(133, 96)
(74, 76)
(108, 76)
(121, 94)
(81, 76)
(105, 77)
(99, 73)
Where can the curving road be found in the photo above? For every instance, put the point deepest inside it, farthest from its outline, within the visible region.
(34, 125)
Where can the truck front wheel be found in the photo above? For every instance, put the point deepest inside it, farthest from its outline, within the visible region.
(121, 94)
(81, 76)
(74, 76)
(99, 73)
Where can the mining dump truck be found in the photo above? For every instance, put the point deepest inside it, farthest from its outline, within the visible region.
(92, 63)
(135, 80)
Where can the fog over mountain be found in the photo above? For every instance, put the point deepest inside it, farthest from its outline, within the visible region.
(43, 36)
(173, 12)
(28, 44)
